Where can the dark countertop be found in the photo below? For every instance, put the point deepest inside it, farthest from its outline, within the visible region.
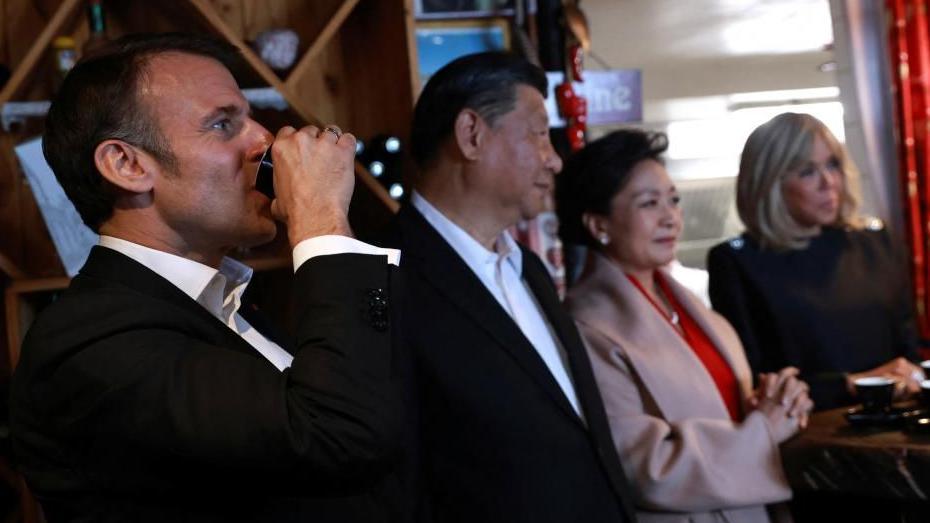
(878, 462)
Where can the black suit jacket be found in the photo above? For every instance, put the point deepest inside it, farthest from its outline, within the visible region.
(132, 403)
(498, 440)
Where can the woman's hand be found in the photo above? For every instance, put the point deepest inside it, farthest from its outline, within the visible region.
(784, 401)
(906, 375)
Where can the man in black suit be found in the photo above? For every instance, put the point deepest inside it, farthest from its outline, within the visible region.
(142, 393)
(511, 426)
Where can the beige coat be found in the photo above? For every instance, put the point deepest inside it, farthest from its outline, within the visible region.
(687, 460)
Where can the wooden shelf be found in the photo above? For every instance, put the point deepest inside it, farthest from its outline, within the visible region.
(38, 285)
(329, 30)
(214, 21)
(10, 268)
(54, 27)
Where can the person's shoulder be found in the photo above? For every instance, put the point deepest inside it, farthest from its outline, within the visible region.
(872, 227)
(866, 226)
(410, 231)
(81, 316)
(873, 240)
(91, 304)
(871, 230)
(736, 244)
(736, 247)
(391, 232)
(873, 224)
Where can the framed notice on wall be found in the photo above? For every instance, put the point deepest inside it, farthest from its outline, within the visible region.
(426, 9)
(438, 43)
(72, 238)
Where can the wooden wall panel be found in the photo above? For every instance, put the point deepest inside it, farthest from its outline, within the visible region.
(323, 86)
(379, 89)
(23, 19)
(152, 17)
(11, 196)
(4, 35)
(305, 18)
(360, 83)
(24, 239)
(233, 12)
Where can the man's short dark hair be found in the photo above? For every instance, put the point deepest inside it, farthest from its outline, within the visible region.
(98, 101)
(595, 174)
(483, 82)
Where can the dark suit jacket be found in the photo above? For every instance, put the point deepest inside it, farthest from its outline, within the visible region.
(132, 403)
(840, 305)
(499, 440)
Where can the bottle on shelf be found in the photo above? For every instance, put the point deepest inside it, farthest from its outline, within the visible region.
(98, 27)
(65, 57)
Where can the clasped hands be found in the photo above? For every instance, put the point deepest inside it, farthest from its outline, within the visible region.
(784, 400)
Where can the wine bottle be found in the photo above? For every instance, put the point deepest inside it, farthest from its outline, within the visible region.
(65, 57)
(98, 27)
(65, 54)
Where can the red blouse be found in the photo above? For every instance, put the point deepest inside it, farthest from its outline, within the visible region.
(703, 347)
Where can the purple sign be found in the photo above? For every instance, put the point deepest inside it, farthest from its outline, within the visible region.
(614, 96)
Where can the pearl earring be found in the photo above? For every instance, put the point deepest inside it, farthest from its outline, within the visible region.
(603, 238)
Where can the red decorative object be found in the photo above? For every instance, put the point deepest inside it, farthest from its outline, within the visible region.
(910, 56)
(576, 133)
(570, 104)
(574, 109)
(576, 61)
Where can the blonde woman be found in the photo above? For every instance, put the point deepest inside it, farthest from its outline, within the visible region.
(697, 441)
(810, 283)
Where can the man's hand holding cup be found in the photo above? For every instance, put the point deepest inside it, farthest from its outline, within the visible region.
(314, 176)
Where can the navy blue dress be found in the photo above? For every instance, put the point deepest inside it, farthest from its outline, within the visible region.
(841, 305)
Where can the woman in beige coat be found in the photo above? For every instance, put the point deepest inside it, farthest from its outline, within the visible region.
(699, 443)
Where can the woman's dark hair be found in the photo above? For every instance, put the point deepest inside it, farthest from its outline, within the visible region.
(99, 100)
(595, 174)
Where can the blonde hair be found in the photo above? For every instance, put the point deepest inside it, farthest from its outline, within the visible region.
(772, 152)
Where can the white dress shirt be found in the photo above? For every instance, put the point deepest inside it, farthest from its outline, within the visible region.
(501, 273)
(220, 291)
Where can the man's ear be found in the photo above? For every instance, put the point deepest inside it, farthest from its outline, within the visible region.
(125, 166)
(470, 130)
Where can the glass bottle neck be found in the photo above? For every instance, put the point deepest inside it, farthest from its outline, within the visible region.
(97, 24)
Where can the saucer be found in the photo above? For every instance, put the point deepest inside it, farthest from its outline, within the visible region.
(895, 417)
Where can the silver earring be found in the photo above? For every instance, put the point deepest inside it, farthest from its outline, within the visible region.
(603, 238)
